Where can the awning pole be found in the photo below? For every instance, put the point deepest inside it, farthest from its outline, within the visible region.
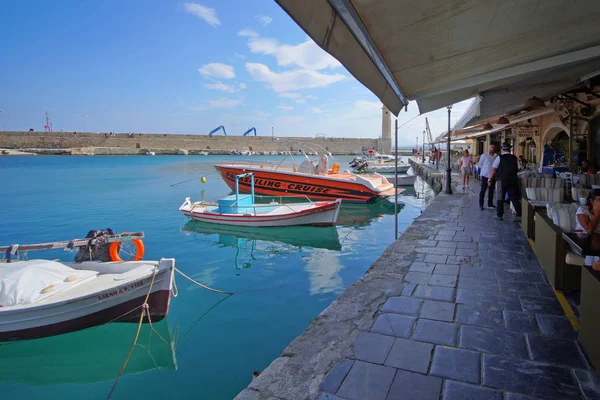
(396, 181)
(448, 169)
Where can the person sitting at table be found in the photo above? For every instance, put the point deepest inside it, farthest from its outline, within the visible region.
(588, 218)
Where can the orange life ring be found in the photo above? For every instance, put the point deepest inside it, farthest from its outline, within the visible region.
(115, 247)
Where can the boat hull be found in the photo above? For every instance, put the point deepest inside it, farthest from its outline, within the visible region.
(275, 183)
(385, 169)
(120, 303)
(321, 213)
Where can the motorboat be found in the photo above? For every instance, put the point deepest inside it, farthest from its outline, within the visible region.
(59, 359)
(40, 298)
(385, 168)
(150, 153)
(403, 180)
(311, 179)
(242, 210)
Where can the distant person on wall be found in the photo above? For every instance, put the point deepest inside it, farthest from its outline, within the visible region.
(437, 159)
(504, 170)
(466, 166)
(486, 161)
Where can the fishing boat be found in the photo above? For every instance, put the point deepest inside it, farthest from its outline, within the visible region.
(242, 210)
(311, 179)
(40, 298)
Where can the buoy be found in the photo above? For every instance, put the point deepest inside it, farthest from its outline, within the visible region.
(203, 179)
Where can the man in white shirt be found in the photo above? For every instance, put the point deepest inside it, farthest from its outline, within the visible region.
(485, 164)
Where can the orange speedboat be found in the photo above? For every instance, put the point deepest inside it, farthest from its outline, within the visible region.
(309, 179)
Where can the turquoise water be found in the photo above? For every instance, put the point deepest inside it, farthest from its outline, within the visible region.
(213, 343)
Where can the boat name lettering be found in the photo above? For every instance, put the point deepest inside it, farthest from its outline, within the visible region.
(307, 188)
(120, 291)
(257, 181)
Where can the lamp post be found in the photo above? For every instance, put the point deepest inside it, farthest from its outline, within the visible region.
(448, 169)
(423, 152)
(395, 185)
(84, 118)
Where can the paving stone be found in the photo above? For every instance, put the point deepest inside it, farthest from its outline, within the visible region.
(517, 396)
(436, 332)
(518, 275)
(528, 377)
(372, 347)
(459, 260)
(466, 252)
(394, 325)
(412, 386)
(367, 381)
(448, 238)
(438, 259)
(545, 290)
(556, 351)
(462, 365)
(408, 289)
(521, 322)
(443, 280)
(410, 355)
(402, 305)
(479, 315)
(541, 305)
(493, 341)
(446, 269)
(451, 245)
(415, 278)
(463, 238)
(422, 267)
(434, 293)
(519, 288)
(438, 310)
(334, 378)
(462, 391)
(427, 243)
(328, 396)
(589, 384)
(556, 326)
(491, 299)
(466, 245)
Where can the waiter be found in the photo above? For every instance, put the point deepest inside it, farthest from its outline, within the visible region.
(485, 164)
(504, 170)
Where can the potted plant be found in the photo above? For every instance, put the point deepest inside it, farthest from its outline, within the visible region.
(523, 144)
(532, 144)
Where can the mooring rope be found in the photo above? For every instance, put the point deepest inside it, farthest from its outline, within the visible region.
(145, 309)
(201, 285)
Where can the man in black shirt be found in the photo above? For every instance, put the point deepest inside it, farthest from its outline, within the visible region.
(505, 170)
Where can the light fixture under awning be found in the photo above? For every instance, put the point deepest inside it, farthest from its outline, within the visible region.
(440, 52)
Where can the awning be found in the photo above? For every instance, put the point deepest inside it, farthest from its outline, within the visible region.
(477, 130)
(440, 52)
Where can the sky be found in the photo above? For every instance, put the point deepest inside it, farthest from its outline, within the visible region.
(182, 67)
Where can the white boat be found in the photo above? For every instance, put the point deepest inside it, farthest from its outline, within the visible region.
(403, 180)
(203, 153)
(150, 153)
(40, 298)
(241, 210)
(385, 168)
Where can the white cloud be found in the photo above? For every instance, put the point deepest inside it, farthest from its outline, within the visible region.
(286, 108)
(265, 20)
(300, 101)
(248, 33)
(290, 95)
(217, 70)
(239, 56)
(209, 15)
(220, 86)
(365, 109)
(317, 110)
(306, 55)
(309, 97)
(223, 103)
(242, 86)
(291, 80)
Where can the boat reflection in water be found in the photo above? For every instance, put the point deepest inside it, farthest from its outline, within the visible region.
(87, 356)
(299, 236)
(359, 215)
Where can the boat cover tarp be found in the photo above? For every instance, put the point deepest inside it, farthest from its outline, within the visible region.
(27, 282)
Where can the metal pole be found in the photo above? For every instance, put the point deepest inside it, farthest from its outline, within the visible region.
(396, 183)
(423, 153)
(449, 168)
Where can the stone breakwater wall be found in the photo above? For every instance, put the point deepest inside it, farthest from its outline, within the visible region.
(98, 143)
(435, 178)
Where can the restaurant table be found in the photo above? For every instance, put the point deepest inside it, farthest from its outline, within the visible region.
(589, 318)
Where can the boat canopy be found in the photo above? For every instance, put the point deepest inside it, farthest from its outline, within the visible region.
(27, 282)
(440, 52)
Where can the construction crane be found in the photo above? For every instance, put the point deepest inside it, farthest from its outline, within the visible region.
(250, 130)
(216, 129)
(48, 126)
(429, 137)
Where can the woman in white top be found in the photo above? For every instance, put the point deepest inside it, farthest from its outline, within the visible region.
(588, 218)
(465, 164)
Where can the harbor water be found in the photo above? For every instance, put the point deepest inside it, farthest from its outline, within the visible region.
(210, 344)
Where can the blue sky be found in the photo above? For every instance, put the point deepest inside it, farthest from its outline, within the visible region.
(177, 67)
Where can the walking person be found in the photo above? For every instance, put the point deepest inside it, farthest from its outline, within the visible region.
(486, 161)
(504, 170)
(466, 165)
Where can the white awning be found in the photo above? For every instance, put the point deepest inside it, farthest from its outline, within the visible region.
(440, 52)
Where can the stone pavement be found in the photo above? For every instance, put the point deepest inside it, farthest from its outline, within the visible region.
(465, 312)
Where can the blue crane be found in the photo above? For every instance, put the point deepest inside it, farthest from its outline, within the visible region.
(250, 130)
(216, 129)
